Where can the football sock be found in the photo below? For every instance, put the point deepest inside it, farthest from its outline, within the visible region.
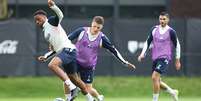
(89, 97)
(155, 97)
(168, 89)
(68, 97)
(70, 84)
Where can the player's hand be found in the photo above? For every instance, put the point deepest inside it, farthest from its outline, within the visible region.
(42, 59)
(51, 3)
(177, 64)
(130, 65)
(140, 57)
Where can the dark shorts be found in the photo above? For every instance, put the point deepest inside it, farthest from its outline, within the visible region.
(160, 65)
(68, 58)
(86, 75)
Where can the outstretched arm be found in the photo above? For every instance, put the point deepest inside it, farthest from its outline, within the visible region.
(47, 55)
(59, 14)
(108, 45)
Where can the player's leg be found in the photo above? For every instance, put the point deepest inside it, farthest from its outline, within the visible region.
(156, 85)
(87, 76)
(73, 93)
(79, 83)
(94, 92)
(159, 67)
(70, 67)
(174, 93)
(54, 66)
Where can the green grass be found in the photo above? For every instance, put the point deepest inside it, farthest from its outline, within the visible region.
(111, 87)
(107, 99)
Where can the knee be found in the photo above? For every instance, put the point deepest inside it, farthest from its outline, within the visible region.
(51, 65)
(155, 78)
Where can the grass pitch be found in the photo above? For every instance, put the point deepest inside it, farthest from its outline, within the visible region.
(106, 99)
(129, 88)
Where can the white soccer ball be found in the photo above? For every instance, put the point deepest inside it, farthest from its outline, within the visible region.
(59, 99)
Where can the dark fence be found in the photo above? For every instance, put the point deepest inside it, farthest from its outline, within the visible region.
(17, 48)
(21, 42)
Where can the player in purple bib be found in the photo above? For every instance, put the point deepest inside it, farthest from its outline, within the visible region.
(163, 39)
(89, 41)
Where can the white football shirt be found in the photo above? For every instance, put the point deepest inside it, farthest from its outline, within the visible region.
(56, 35)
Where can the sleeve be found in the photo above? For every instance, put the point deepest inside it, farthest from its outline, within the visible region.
(53, 20)
(147, 42)
(49, 54)
(175, 41)
(75, 34)
(109, 46)
(59, 13)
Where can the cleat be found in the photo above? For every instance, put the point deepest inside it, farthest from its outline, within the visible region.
(90, 98)
(59, 99)
(74, 93)
(175, 95)
(101, 98)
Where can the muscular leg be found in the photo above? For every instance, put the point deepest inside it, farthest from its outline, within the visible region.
(94, 92)
(90, 89)
(156, 85)
(54, 66)
(78, 82)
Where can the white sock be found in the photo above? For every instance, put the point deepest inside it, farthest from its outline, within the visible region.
(170, 90)
(155, 97)
(68, 97)
(70, 84)
(100, 97)
(89, 97)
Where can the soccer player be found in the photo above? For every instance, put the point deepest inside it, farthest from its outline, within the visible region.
(163, 38)
(61, 46)
(89, 41)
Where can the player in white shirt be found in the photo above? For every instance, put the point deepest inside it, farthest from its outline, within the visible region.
(62, 48)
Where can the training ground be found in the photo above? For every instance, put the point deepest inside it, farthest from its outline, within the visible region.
(128, 88)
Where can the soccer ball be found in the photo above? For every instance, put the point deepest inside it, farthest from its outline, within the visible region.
(59, 99)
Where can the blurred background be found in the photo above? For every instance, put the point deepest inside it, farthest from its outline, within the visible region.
(127, 23)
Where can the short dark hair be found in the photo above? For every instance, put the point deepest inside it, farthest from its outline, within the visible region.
(40, 12)
(165, 14)
(98, 19)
